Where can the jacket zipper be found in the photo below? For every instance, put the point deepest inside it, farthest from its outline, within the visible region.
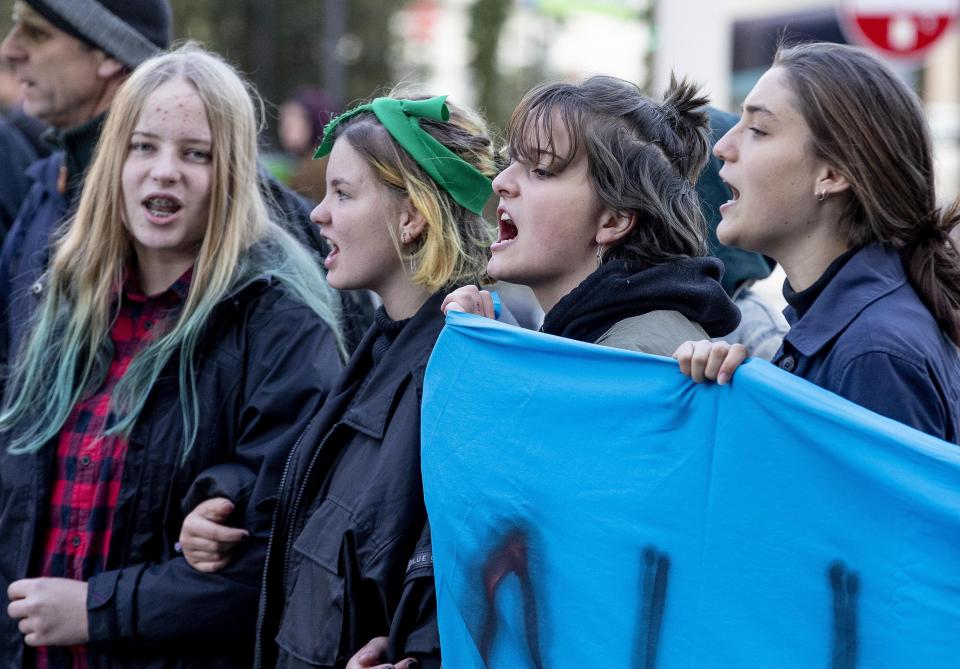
(275, 521)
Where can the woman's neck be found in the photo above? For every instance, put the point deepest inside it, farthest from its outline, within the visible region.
(549, 293)
(806, 260)
(402, 299)
(156, 273)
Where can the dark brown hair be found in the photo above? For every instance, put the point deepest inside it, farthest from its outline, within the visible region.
(867, 124)
(643, 157)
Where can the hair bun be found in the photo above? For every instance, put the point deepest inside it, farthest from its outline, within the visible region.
(684, 108)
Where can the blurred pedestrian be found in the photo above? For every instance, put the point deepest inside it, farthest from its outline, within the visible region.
(302, 119)
(831, 170)
(181, 354)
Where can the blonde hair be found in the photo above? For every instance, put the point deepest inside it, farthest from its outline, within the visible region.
(453, 247)
(68, 350)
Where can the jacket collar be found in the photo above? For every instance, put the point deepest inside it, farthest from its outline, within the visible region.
(869, 275)
(407, 357)
(78, 144)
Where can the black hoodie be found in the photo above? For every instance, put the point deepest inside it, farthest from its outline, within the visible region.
(619, 290)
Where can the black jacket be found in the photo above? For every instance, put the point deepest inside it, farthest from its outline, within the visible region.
(266, 364)
(350, 557)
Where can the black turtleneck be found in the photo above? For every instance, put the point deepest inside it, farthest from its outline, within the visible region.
(802, 301)
(388, 329)
(617, 290)
(78, 144)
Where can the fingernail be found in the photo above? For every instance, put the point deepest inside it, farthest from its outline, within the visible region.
(722, 378)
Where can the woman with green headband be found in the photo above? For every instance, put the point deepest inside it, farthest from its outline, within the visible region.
(350, 559)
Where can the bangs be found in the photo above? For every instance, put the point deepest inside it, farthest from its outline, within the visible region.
(532, 131)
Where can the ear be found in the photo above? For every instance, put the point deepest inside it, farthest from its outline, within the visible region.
(614, 227)
(831, 181)
(412, 222)
(109, 68)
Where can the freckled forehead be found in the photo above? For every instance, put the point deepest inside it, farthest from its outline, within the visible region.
(175, 109)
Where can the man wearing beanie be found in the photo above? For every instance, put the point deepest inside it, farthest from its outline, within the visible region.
(71, 57)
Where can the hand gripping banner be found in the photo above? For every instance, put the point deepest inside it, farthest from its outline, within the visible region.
(592, 507)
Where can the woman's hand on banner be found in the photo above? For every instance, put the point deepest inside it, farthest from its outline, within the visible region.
(707, 360)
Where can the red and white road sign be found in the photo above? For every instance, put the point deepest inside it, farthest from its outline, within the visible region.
(904, 29)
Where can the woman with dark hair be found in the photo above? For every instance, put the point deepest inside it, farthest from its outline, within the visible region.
(831, 170)
(599, 217)
(350, 559)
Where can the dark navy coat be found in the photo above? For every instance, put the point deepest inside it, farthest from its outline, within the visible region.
(869, 338)
(18, 154)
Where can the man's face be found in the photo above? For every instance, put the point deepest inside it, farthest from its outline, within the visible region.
(58, 73)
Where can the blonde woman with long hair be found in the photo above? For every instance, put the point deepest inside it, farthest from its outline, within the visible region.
(350, 560)
(184, 341)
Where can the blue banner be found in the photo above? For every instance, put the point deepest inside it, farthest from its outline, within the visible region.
(592, 507)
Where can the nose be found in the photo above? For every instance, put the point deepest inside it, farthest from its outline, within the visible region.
(505, 183)
(725, 148)
(320, 214)
(165, 167)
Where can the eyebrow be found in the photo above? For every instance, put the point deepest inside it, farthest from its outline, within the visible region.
(338, 181)
(758, 109)
(188, 140)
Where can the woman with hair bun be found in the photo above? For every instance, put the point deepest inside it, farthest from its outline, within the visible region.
(831, 168)
(598, 215)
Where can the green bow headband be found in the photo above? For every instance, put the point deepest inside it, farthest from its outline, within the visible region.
(465, 183)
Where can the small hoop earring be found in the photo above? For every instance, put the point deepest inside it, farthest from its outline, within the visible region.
(599, 255)
(822, 195)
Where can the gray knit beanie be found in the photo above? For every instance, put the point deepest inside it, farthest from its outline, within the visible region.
(129, 30)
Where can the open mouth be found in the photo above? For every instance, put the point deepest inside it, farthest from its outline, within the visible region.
(508, 230)
(162, 208)
(734, 193)
(334, 252)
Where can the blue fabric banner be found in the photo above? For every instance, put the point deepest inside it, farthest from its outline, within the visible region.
(592, 507)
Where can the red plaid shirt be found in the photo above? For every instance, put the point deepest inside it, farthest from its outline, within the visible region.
(90, 465)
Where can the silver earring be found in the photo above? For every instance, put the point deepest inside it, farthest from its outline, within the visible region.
(822, 195)
(599, 255)
(405, 238)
